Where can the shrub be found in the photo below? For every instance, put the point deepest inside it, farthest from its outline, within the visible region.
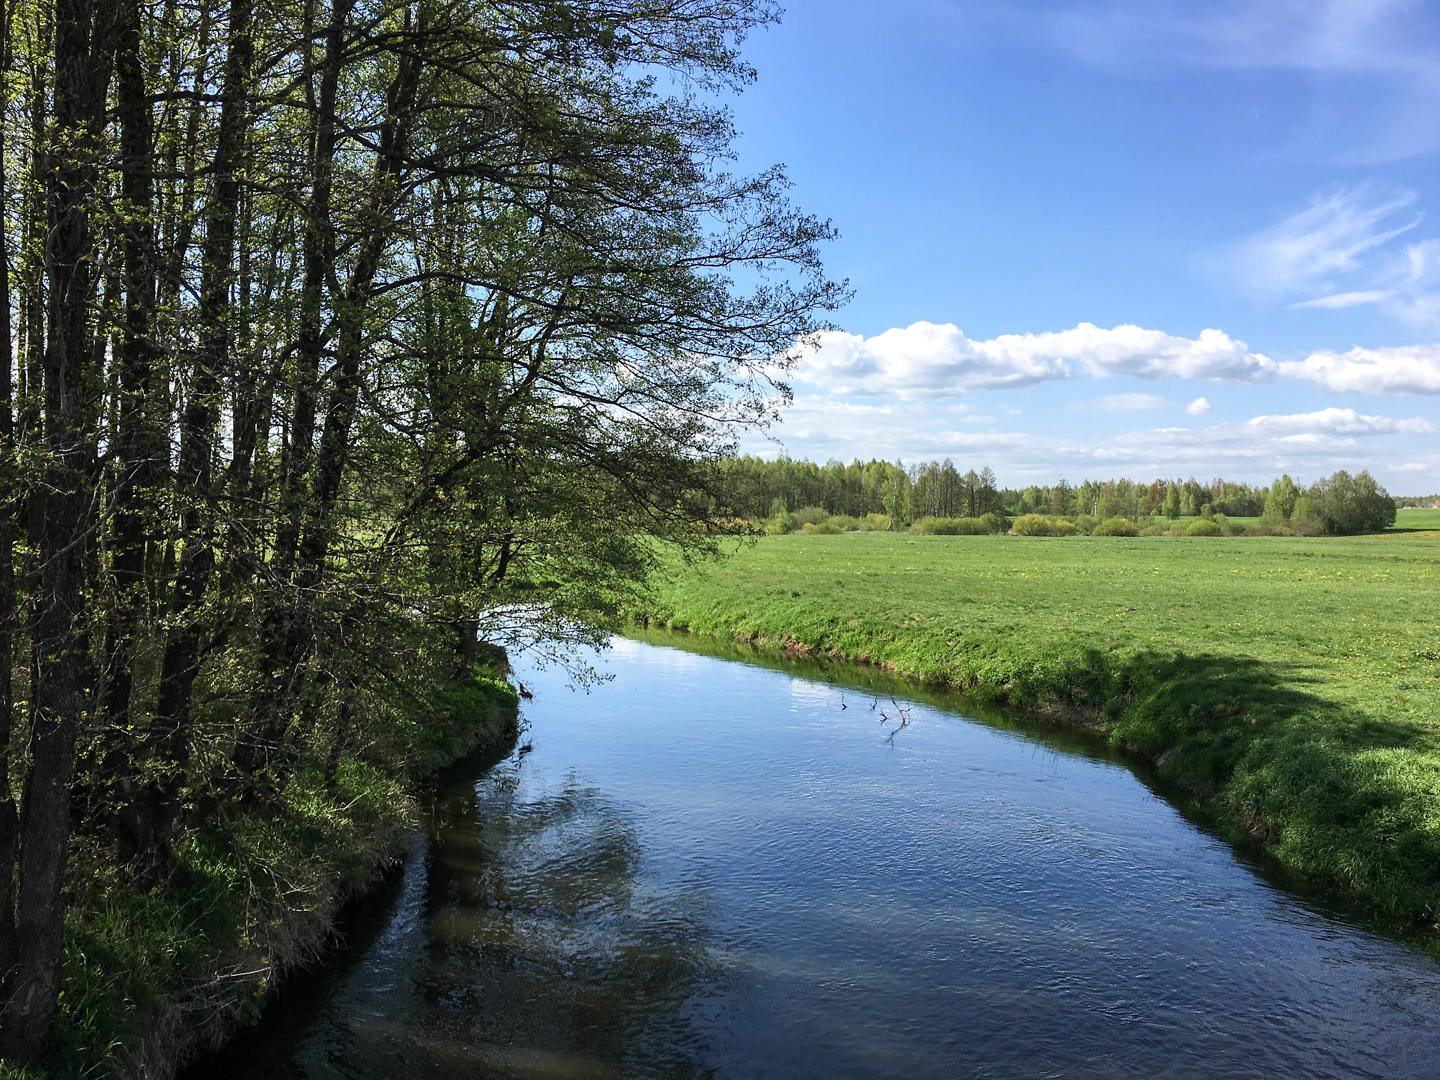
(1202, 527)
(877, 522)
(845, 522)
(780, 519)
(960, 527)
(1085, 524)
(810, 515)
(824, 528)
(1116, 526)
(1030, 525)
(995, 522)
(1062, 527)
(1155, 528)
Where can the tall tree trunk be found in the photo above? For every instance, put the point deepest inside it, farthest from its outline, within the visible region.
(138, 449)
(199, 430)
(33, 363)
(9, 819)
(333, 454)
(319, 258)
(283, 633)
(81, 74)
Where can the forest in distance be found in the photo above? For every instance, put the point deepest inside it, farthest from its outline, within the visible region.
(783, 495)
(345, 337)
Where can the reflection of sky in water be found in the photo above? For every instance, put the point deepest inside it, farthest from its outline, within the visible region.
(712, 869)
(804, 693)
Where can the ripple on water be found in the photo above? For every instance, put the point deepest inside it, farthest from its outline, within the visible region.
(709, 869)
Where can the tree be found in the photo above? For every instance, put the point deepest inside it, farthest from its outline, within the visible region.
(1346, 504)
(1062, 499)
(897, 499)
(343, 324)
(1172, 505)
(1154, 497)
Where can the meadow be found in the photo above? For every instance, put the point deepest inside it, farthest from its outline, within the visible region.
(1288, 684)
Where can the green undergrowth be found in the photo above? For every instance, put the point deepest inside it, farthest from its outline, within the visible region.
(151, 976)
(1288, 684)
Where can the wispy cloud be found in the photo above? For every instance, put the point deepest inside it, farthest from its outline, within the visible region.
(929, 359)
(1373, 65)
(1336, 301)
(1313, 249)
(1350, 246)
(1123, 403)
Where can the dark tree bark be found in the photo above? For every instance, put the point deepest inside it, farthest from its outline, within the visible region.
(138, 447)
(198, 433)
(319, 261)
(334, 452)
(9, 819)
(283, 635)
(82, 63)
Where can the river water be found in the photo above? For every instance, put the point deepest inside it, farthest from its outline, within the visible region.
(706, 868)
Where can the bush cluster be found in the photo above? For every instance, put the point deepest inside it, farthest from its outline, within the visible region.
(1116, 526)
(985, 525)
(1040, 525)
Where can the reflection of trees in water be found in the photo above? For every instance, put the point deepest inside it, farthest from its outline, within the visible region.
(545, 938)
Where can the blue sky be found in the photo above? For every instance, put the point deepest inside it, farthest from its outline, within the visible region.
(1113, 238)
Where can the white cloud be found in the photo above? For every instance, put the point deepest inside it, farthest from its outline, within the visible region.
(1199, 407)
(1335, 421)
(1123, 403)
(921, 358)
(928, 359)
(1150, 354)
(1406, 369)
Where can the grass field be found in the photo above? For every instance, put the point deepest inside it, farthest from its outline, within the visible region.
(1423, 518)
(1290, 684)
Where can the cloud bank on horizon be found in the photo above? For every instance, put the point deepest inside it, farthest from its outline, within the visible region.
(928, 359)
(881, 393)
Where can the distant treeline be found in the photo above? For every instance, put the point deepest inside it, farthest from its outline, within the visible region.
(803, 491)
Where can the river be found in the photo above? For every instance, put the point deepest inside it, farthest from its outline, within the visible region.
(705, 868)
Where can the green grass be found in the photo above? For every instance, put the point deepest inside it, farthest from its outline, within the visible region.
(1290, 684)
(146, 975)
(1424, 518)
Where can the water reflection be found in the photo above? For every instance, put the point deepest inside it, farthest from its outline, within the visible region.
(541, 894)
(705, 869)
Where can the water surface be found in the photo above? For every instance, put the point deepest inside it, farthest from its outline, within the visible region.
(712, 869)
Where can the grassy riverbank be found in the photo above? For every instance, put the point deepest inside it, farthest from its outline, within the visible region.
(1289, 683)
(151, 977)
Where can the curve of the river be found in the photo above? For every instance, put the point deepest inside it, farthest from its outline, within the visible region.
(704, 868)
